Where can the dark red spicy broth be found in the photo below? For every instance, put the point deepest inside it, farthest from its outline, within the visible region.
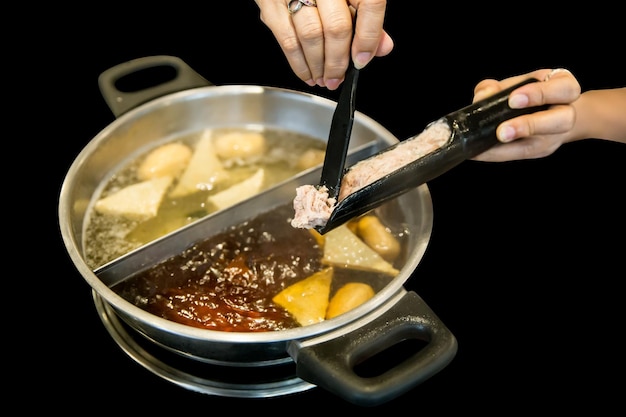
(227, 282)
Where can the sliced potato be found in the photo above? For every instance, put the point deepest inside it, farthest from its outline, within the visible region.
(343, 248)
(139, 201)
(238, 192)
(349, 296)
(307, 300)
(169, 159)
(203, 171)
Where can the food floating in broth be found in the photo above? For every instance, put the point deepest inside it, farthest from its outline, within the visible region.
(190, 176)
(350, 296)
(238, 192)
(307, 299)
(263, 275)
(204, 170)
(139, 201)
(241, 148)
(344, 248)
(378, 237)
(166, 160)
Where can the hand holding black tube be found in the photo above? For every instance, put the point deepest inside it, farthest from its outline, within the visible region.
(571, 116)
(472, 130)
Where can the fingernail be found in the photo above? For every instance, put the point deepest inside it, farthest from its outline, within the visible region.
(320, 82)
(333, 83)
(506, 133)
(362, 59)
(518, 101)
(310, 82)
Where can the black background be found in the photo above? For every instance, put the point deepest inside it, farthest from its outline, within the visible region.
(526, 258)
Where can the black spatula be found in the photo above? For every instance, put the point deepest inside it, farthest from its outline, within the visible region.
(339, 135)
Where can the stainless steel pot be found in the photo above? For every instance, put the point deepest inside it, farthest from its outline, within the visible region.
(321, 355)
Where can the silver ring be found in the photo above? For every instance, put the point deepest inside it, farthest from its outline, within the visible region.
(295, 5)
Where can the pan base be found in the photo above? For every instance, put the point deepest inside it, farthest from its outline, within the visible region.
(226, 381)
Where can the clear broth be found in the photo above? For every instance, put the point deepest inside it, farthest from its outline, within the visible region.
(108, 237)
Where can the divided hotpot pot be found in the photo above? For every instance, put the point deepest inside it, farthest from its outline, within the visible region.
(320, 355)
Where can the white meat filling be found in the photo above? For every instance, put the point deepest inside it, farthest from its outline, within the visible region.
(312, 207)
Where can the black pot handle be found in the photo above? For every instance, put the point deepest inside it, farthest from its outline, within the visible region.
(120, 102)
(330, 364)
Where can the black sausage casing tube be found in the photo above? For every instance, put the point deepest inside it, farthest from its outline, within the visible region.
(312, 204)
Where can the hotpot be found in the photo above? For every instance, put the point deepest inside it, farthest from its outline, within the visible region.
(261, 364)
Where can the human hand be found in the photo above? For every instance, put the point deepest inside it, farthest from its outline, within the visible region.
(538, 134)
(319, 42)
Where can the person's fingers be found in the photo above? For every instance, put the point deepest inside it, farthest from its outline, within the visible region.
(369, 34)
(557, 119)
(557, 87)
(486, 88)
(527, 148)
(385, 46)
(489, 87)
(276, 16)
(336, 21)
(318, 41)
(537, 134)
(309, 30)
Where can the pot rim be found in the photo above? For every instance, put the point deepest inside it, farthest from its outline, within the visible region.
(395, 286)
